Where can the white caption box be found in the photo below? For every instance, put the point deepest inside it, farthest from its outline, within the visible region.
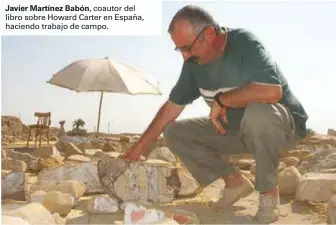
(74, 17)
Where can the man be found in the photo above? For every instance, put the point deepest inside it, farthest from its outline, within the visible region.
(253, 110)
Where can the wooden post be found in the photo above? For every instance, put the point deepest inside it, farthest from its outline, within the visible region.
(99, 111)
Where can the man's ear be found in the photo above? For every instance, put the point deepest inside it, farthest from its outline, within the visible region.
(209, 33)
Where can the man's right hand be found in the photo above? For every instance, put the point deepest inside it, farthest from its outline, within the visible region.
(134, 153)
(167, 113)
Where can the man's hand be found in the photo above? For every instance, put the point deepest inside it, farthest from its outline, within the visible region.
(134, 153)
(217, 113)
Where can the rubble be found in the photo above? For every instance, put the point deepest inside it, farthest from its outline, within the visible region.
(103, 204)
(316, 187)
(85, 172)
(288, 180)
(156, 181)
(13, 165)
(33, 213)
(332, 210)
(14, 186)
(58, 202)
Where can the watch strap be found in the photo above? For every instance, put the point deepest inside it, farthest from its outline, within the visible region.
(218, 100)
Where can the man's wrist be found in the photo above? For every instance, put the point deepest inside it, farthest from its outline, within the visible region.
(218, 100)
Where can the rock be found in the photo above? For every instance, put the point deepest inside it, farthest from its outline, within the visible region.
(31, 161)
(161, 142)
(301, 154)
(109, 147)
(281, 166)
(8, 205)
(37, 196)
(11, 125)
(103, 204)
(136, 213)
(84, 146)
(57, 202)
(58, 219)
(331, 132)
(153, 180)
(319, 139)
(189, 186)
(97, 143)
(34, 213)
(78, 158)
(85, 172)
(323, 158)
(102, 155)
(13, 164)
(68, 148)
(3, 154)
(77, 218)
(245, 164)
(46, 152)
(332, 210)
(328, 170)
(5, 172)
(163, 153)
(72, 187)
(91, 152)
(288, 180)
(291, 161)
(253, 168)
(317, 187)
(51, 162)
(125, 139)
(11, 220)
(14, 186)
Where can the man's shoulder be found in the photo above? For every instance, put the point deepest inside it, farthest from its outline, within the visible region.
(241, 35)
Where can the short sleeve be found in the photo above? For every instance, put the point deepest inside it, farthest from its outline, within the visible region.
(185, 90)
(257, 63)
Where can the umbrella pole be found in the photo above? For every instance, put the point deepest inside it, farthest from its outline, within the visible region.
(99, 111)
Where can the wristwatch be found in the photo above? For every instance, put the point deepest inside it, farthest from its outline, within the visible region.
(217, 99)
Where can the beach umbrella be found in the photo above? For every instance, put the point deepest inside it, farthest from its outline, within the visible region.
(104, 75)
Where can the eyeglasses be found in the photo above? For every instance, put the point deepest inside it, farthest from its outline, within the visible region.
(188, 48)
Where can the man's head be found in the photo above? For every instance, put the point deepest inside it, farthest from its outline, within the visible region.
(194, 31)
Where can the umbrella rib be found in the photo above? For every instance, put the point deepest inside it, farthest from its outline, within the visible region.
(123, 82)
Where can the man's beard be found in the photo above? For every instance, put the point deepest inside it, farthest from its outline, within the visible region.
(194, 58)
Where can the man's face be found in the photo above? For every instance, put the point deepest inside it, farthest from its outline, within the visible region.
(193, 46)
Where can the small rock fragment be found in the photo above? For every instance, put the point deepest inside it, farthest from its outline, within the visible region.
(102, 204)
(57, 202)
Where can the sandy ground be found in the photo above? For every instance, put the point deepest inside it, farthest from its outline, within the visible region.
(243, 211)
(240, 213)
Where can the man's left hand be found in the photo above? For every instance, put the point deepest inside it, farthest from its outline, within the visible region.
(217, 113)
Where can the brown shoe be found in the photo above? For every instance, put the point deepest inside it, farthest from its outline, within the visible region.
(229, 196)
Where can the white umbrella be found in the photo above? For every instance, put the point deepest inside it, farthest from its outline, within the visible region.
(104, 75)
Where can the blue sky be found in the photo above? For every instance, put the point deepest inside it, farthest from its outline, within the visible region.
(300, 36)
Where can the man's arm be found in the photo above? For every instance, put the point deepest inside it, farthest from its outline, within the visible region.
(251, 93)
(167, 113)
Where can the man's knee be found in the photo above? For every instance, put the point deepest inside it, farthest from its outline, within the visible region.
(259, 117)
(168, 131)
(172, 130)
